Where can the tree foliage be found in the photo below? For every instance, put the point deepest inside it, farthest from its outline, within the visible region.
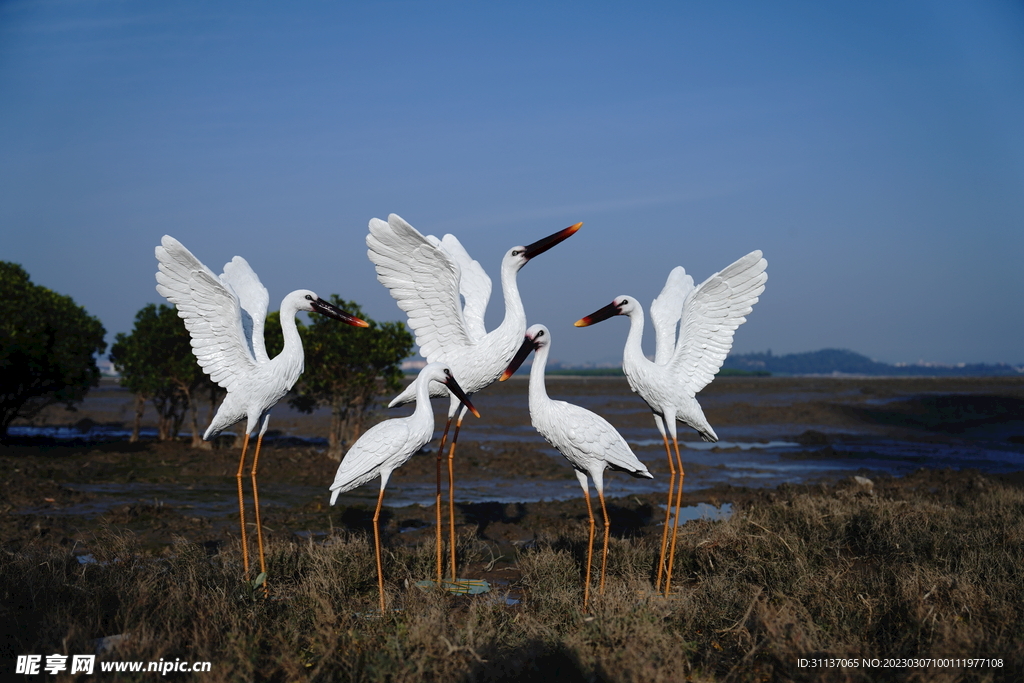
(48, 346)
(347, 368)
(157, 364)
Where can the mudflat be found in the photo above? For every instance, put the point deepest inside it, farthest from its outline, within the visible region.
(61, 490)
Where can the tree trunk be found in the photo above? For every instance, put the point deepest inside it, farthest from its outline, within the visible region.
(335, 442)
(176, 420)
(197, 436)
(163, 428)
(140, 408)
(163, 415)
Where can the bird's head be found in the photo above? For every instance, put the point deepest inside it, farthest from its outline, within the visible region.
(440, 372)
(517, 257)
(537, 337)
(305, 300)
(620, 305)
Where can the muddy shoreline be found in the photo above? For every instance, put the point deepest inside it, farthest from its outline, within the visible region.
(60, 491)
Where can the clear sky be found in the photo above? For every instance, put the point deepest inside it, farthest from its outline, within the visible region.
(873, 150)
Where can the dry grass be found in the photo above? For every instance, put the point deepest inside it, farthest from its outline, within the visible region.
(928, 570)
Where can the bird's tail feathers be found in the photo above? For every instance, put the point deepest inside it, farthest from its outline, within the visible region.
(693, 416)
(641, 473)
(630, 465)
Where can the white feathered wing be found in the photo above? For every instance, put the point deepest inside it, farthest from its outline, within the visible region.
(711, 313)
(211, 311)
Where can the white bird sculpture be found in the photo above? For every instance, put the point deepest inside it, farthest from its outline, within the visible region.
(225, 317)
(427, 277)
(388, 445)
(707, 316)
(587, 441)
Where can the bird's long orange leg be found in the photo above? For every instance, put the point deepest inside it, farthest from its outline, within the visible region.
(590, 551)
(451, 490)
(668, 512)
(607, 528)
(440, 540)
(376, 541)
(256, 503)
(241, 505)
(675, 528)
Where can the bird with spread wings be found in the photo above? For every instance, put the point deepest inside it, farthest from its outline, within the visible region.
(706, 316)
(445, 293)
(225, 317)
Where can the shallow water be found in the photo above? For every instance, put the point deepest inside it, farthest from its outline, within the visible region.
(764, 450)
(104, 433)
(756, 464)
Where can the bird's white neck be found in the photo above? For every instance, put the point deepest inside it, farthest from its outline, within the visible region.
(423, 408)
(633, 353)
(538, 387)
(291, 356)
(513, 326)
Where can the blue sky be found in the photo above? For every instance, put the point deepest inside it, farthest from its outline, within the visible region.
(873, 150)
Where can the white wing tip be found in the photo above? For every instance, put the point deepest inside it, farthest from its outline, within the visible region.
(395, 219)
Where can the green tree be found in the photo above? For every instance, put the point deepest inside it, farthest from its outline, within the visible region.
(347, 368)
(157, 364)
(48, 348)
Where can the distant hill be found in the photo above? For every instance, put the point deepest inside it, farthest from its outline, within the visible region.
(617, 372)
(845, 362)
(824, 362)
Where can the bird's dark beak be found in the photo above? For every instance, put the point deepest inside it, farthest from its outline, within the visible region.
(517, 359)
(332, 311)
(454, 387)
(600, 314)
(542, 245)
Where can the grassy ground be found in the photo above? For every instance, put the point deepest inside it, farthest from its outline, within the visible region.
(927, 566)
